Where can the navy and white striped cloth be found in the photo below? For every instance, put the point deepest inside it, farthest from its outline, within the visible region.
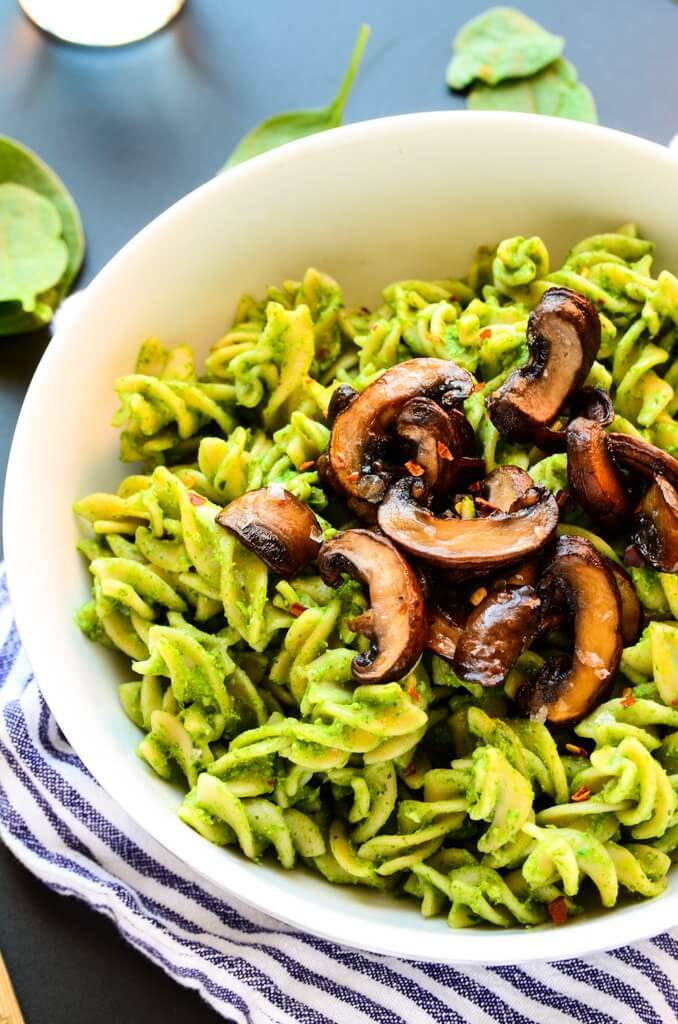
(67, 831)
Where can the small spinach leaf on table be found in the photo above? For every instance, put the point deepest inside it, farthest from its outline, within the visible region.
(33, 256)
(501, 43)
(20, 166)
(297, 124)
(555, 91)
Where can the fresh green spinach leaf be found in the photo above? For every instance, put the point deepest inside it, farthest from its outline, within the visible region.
(33, 256)
(297, 124)
(19, 165)
(555, 91)
(501, 43)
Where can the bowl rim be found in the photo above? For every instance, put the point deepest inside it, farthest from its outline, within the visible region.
(588, 936)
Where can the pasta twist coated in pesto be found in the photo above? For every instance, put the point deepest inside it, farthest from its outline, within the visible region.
(242, 682)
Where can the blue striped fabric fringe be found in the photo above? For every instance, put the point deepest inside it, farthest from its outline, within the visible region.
(59, 823)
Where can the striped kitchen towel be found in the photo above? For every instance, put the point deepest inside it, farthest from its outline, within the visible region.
(66, 830)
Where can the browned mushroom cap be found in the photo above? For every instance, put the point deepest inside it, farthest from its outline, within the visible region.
(631, 608)
(504, 486)
(276, 526)
(340, 400)
(593, 476)
(471, 545)
(396, 621)
(656, 532)
(564, 691)
(591, 403)
(644, 458)
(360, 433)
(363, 509)
(445, 626)
(497, 632)
(563, 337)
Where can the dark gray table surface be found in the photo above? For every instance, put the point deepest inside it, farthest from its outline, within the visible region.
(133, 129)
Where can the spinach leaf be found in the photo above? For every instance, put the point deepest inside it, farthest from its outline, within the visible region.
(556, 91)
(21, 166)
(297, 124)
(33, 256)
(501, 43)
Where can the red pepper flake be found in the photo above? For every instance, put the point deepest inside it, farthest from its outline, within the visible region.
(297, 609)
(444, 452)
(306, 465)
(196, 499)
(583, 793)
(478, 595)
(558, 910)
(478, 386)
(270, 782)
(485, 334)
(414, 468)
(413, 694)
(355, 475)
(627, 698)
(411, 768)
(574, 749)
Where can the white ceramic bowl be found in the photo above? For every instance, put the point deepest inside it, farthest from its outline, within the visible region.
(370, 203)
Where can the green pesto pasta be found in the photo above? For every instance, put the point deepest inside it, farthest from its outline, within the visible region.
(242, 682)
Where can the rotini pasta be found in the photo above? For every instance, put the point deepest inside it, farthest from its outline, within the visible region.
(426, 782)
